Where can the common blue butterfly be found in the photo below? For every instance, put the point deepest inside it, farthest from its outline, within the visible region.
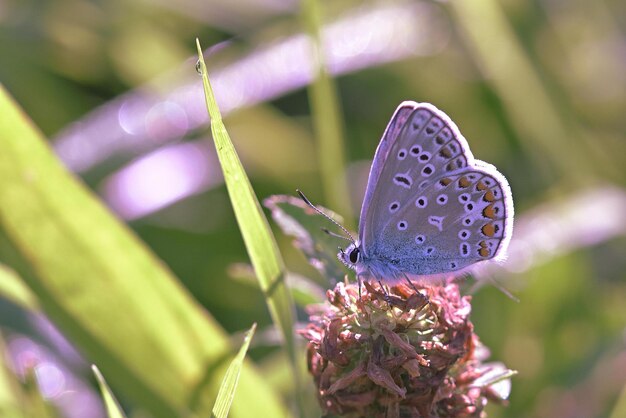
(430, 208)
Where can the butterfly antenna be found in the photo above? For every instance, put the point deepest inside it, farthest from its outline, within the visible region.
(316, 209)
(503, 289)
(332, 234)
(489, 277)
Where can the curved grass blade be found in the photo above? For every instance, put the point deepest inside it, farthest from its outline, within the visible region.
(257, 235)
(105, 290)
(114, 410)
(327, 117)
(13, 288)
(231, 379)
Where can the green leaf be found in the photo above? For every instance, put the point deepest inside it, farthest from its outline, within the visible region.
(257, 235)
(114, 410)
(298, 220)
(231, 379)
(105, 290)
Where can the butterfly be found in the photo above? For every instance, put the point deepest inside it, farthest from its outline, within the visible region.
(430, 208)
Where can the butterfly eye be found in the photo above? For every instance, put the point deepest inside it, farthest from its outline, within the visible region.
(354, 256)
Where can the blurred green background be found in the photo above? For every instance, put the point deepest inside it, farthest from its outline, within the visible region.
(537, 87)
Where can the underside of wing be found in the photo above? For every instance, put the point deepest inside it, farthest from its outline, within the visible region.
(461, 219)
(367, 228)
(434, 208)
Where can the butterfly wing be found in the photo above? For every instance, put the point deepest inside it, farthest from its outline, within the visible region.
(367, 228)
(430, 207)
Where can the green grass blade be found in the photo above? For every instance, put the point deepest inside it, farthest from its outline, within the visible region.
(231, 379)
(257, 235)
(532, 111)
(327, 118)
(619, 410)
(13, 288)
(105, 290)
(114, 410)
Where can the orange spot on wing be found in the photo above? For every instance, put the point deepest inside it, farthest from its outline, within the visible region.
(489, 197)
(445, 181)
(489, 230)
(445, 153)
(483, 252)
(481, 186)
(464, 182)
(489, 212)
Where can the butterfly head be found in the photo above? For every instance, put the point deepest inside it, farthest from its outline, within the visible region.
(351, 256)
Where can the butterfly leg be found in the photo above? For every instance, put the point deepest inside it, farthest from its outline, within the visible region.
(410, 283)
(390, 299)
(358, 279)
(384, 290)
(418, 299)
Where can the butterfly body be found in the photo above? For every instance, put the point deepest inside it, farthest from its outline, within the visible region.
(366, 266)
(430, 208)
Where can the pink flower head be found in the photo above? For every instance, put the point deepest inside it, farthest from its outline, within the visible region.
(402, 351)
